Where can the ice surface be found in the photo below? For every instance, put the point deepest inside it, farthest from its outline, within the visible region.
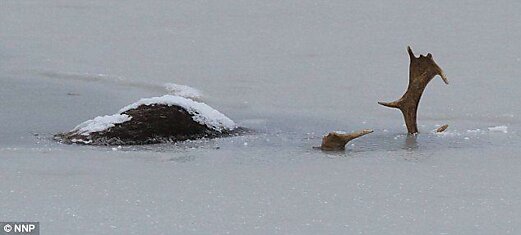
(340, 132)
(202, 113)
(183, 91)
(291, 70)
(503, 129)
(474, 131)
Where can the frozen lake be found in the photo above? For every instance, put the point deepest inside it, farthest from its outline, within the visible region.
(290, 70)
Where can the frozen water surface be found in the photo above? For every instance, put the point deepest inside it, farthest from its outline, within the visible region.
(290, 70)
(183, 91)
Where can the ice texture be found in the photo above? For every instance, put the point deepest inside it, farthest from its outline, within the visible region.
(503, 129)
(183, 91)
(284, 69)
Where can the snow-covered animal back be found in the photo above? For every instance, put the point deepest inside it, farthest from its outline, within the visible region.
(153, 120)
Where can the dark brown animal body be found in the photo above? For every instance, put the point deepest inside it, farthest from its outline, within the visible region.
(149, 124)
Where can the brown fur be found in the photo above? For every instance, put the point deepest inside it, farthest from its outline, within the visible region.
(150, 124)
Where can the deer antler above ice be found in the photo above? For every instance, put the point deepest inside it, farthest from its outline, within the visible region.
(421, 71)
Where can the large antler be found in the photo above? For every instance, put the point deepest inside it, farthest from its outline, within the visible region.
(421, 71)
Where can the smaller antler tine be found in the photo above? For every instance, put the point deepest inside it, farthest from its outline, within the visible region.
(411, 54)
(444, 78)
(394, 104)
(441, 73)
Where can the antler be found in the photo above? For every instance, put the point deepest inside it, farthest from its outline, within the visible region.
(335, 141)
(421, 71)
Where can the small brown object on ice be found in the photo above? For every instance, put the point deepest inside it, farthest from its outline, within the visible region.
(421, 71)
(336, 141)
(442, 128)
